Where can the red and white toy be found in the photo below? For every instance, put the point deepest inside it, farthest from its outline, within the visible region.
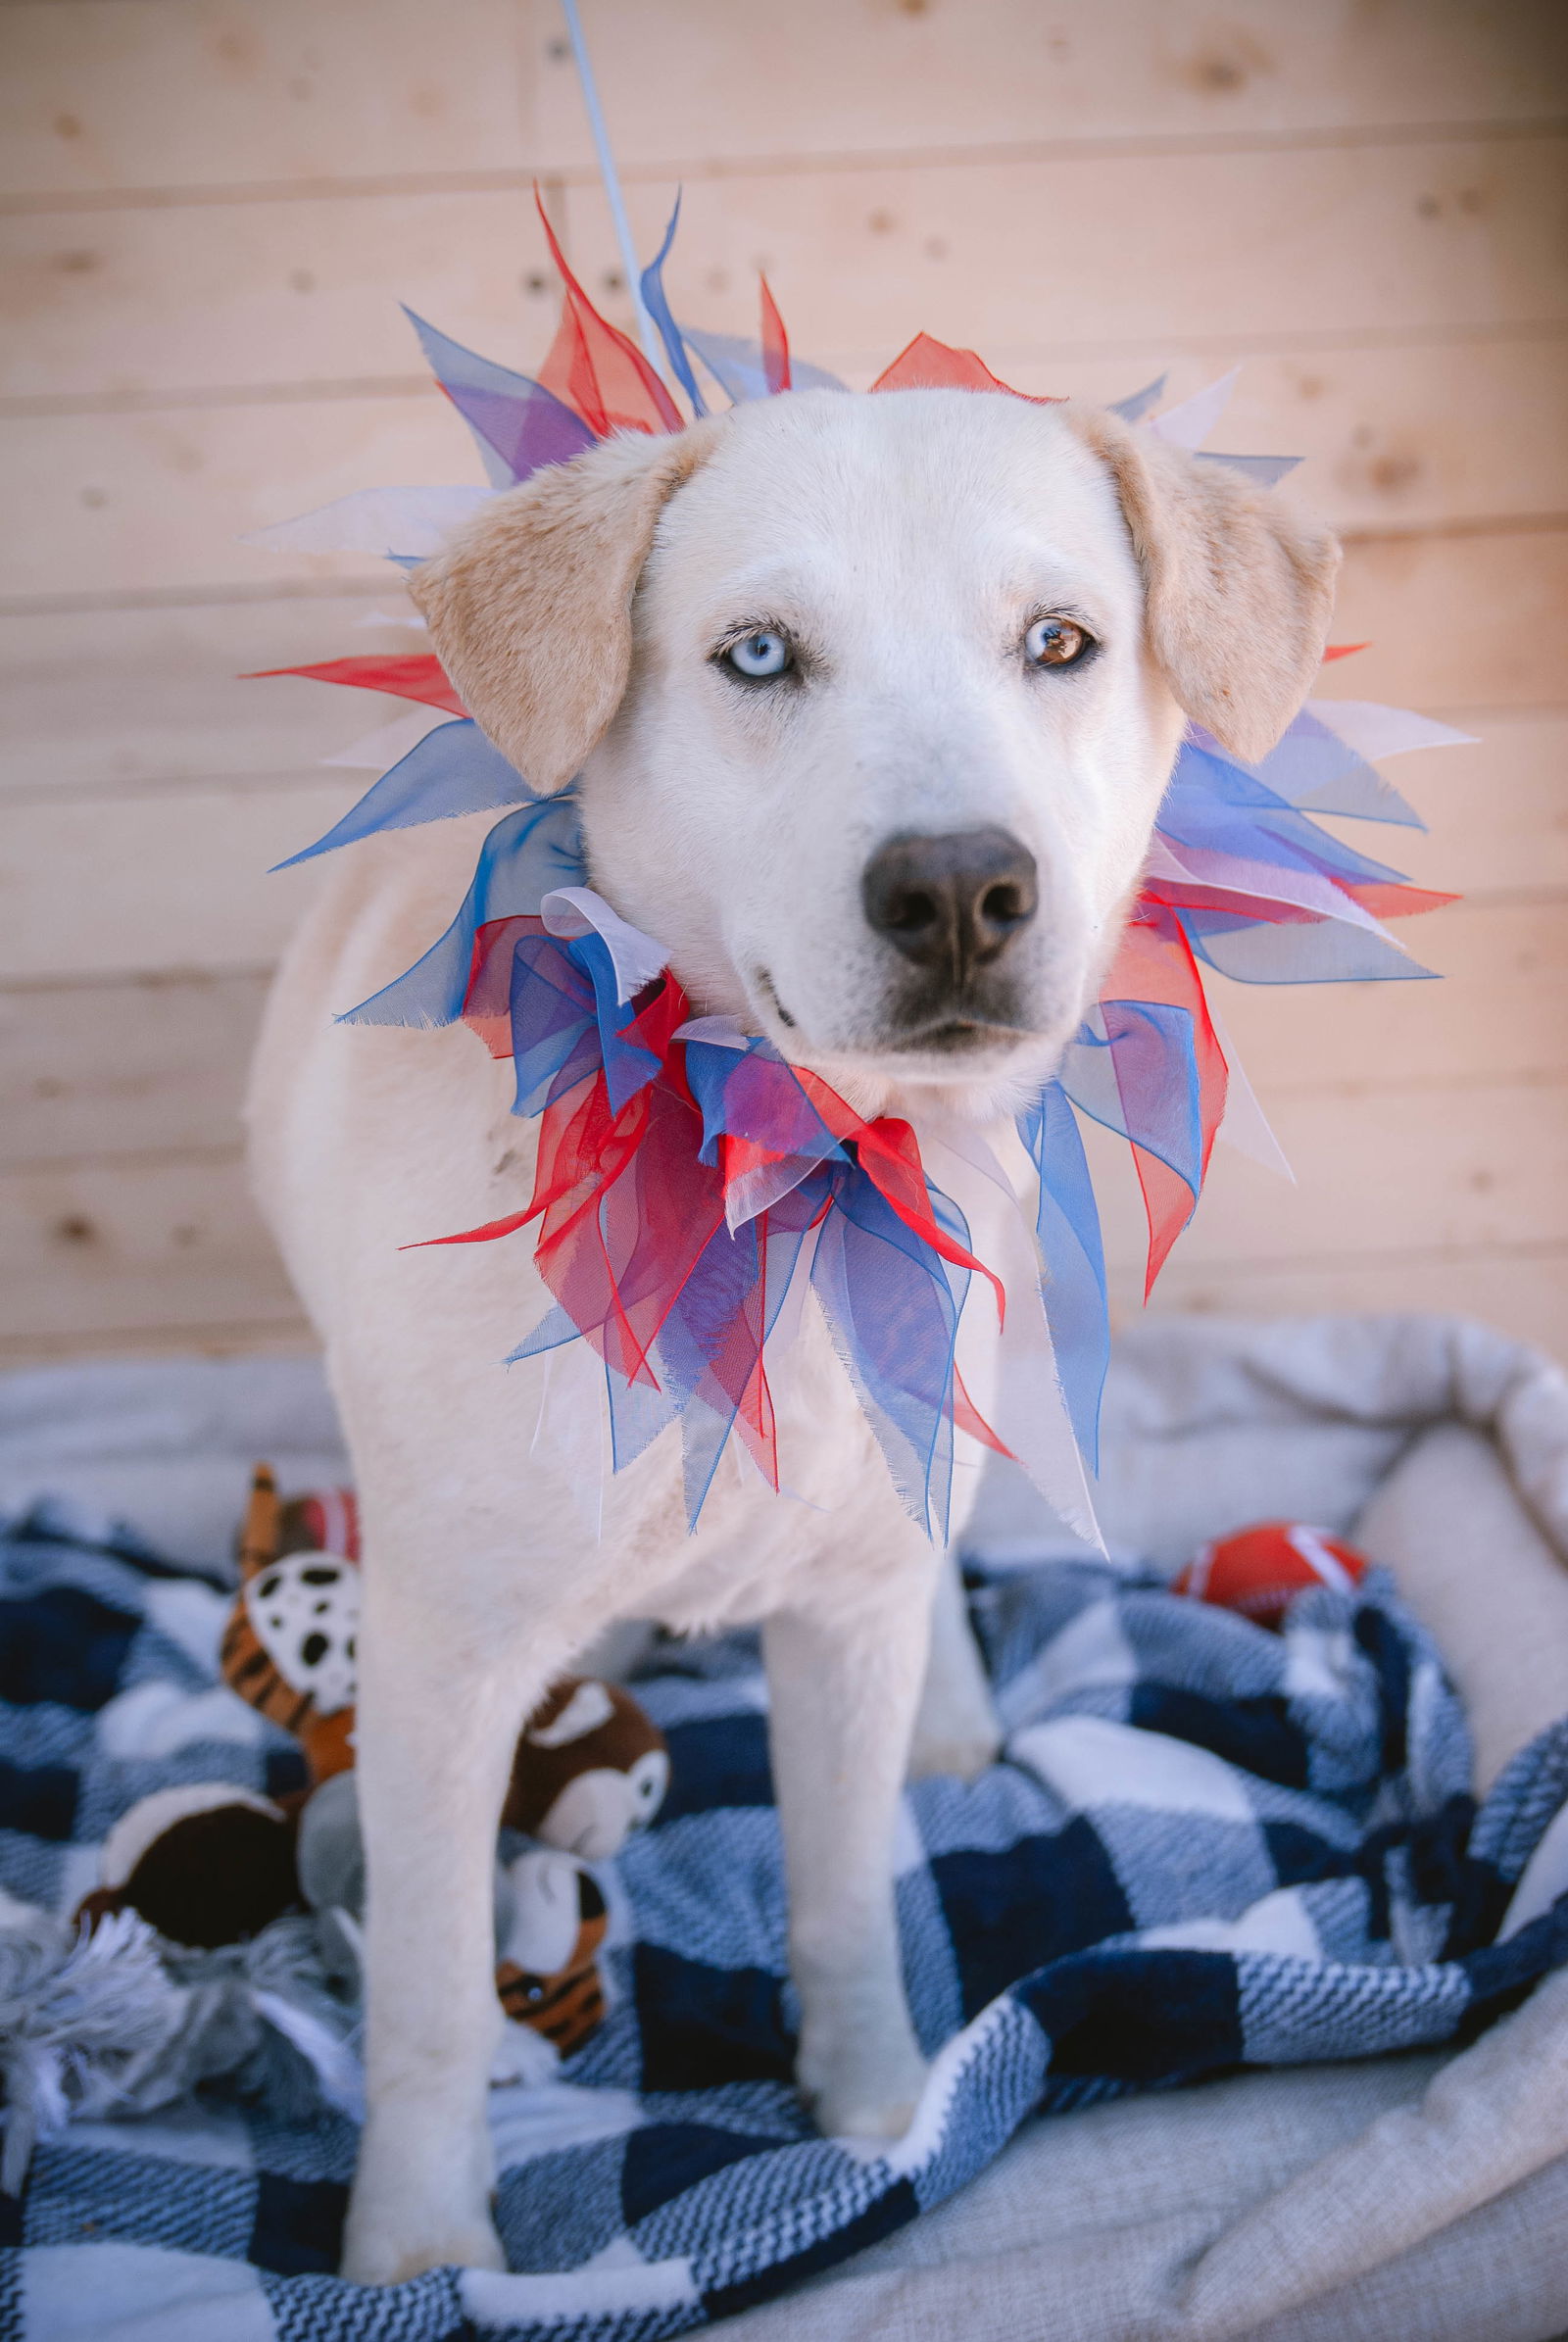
(1259, 1571)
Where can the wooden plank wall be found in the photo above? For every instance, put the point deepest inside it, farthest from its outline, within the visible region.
(211, 211)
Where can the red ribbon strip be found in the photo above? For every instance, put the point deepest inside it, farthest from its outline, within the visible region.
(595, 371)
(409, 675)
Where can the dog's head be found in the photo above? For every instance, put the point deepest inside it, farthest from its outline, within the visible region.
(874, 700)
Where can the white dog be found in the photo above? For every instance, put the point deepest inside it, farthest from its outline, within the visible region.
(873, 699)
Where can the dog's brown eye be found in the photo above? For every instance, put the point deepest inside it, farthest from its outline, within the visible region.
(1056, 641)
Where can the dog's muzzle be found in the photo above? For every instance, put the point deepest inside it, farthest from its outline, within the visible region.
(953, 905)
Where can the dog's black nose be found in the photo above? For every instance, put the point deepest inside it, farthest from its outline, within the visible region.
(951, 903)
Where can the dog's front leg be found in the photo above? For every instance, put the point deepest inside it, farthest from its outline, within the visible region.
(843, 1697)
(440, 1707)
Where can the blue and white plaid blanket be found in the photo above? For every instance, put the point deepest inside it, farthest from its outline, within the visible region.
(1208, 1846)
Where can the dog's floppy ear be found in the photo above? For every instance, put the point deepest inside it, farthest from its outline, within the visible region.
(529, 605)
(1238, 590)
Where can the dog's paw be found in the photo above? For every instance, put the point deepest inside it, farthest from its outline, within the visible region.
(957, 1730)
(861, 2088)
(370, 2257)
(418, 2201)
(961, 1754)
(851, 2115)
(868, 2109)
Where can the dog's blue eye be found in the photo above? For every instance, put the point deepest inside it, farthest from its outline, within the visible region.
(1056, 641)
(759, 656)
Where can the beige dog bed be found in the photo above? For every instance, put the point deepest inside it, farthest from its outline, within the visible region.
(1414, 2199)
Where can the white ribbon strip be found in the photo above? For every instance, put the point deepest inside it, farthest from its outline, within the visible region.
(1189, 423)
(412, 521)
(407, 621)
(570, 911)
(1011, 1377)
(1244, 1127)
(1373, 730)
(389, 743)
(719, 1032)
(1270, 882)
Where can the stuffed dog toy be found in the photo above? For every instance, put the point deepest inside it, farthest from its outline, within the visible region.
(871, 703)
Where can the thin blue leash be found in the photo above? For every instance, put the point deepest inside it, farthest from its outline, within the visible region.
(611, 178)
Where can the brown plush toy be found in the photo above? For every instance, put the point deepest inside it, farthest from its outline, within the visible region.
(204, 1864)
(210, 1864)
(590, 1769)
